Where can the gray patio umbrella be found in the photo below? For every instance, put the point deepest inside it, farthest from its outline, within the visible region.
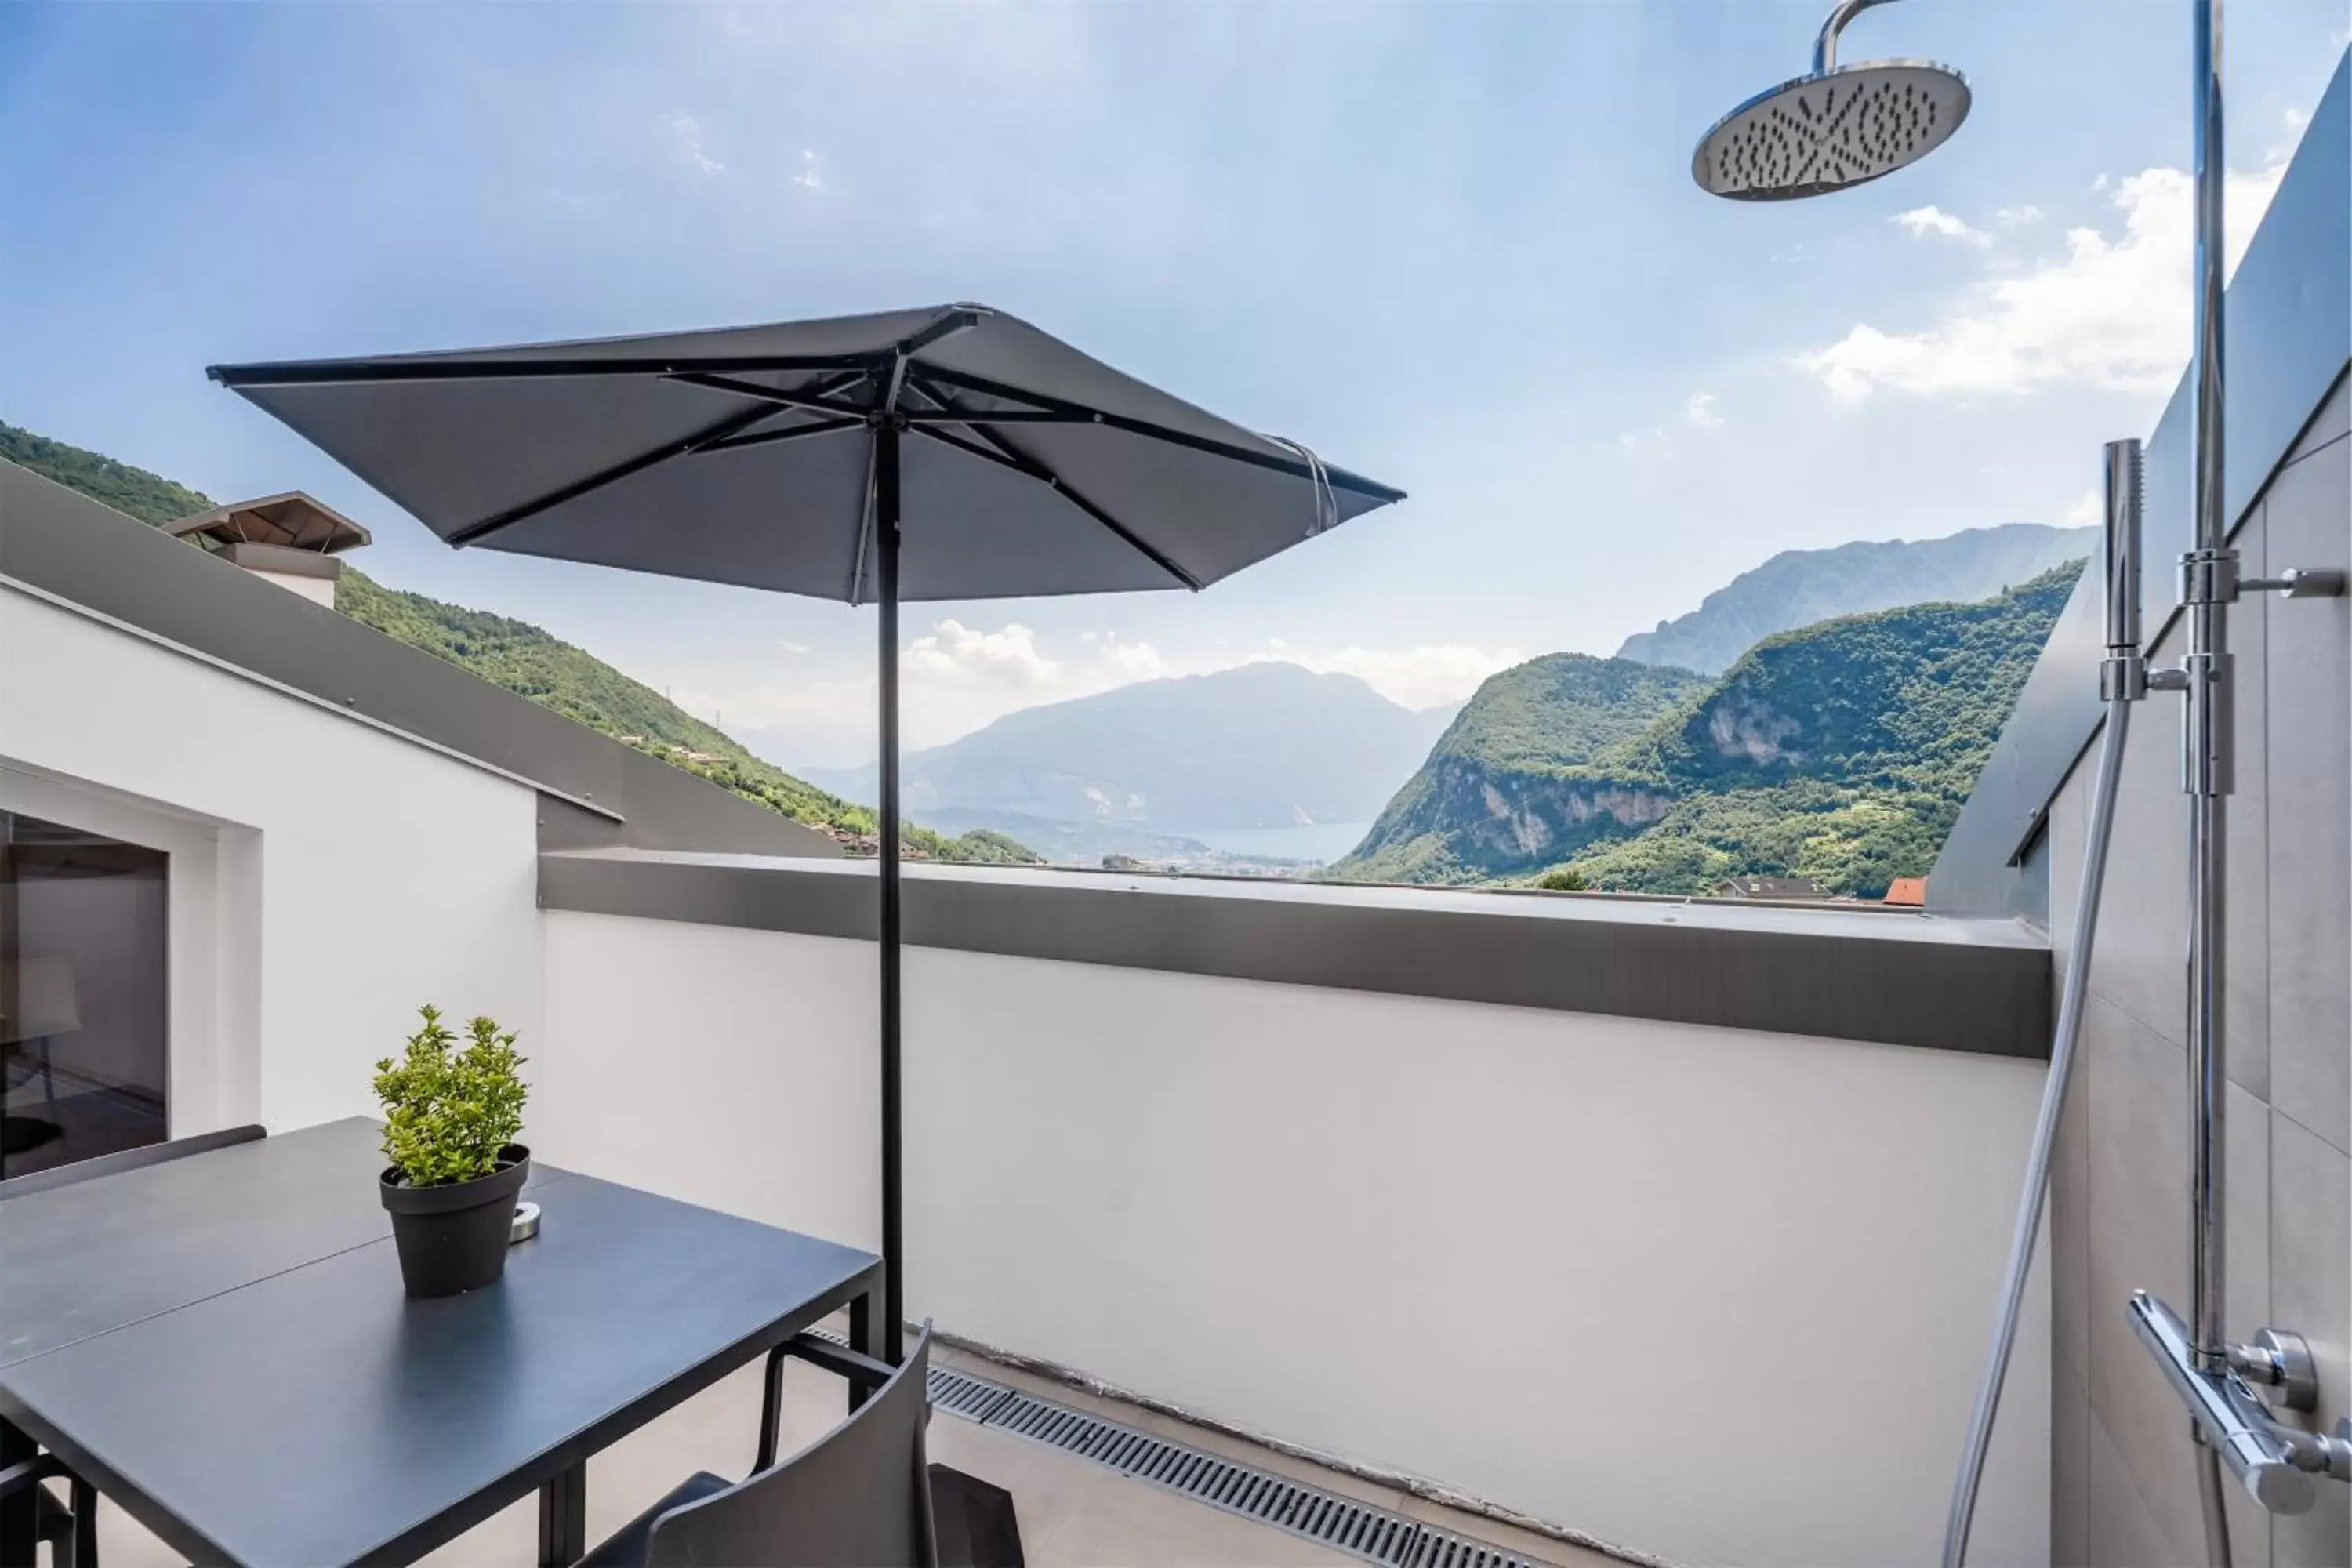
(954, 452)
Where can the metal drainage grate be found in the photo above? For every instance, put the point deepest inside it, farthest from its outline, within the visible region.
(1440, 1549)
(969, 1397)
(1374, 1534)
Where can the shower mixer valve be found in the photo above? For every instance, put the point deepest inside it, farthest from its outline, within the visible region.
(2272, 1460)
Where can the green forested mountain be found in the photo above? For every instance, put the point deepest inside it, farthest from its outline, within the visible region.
(1488, 800)
(1842, 752)
(524, 660)
(1803, 587)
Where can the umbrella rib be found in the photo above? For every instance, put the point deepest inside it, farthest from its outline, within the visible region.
(339, 373)
(474, 532)
(1078, 413)
(815, 402)
(952, 321)
(865, 523)
(1008, 456)
(792, 433)
(885, 405)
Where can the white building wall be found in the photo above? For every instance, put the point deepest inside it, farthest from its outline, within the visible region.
(1715, 1295)
(347, 875)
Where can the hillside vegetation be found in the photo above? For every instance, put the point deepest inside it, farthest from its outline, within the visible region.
(526, 661)
(1842, 752)
(135, 492)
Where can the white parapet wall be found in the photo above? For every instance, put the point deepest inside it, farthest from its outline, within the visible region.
(1715, 1295)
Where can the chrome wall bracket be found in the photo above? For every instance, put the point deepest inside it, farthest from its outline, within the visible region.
(2271, 1460)
(2298, 582)
(2278, 1359)
(2211, 577)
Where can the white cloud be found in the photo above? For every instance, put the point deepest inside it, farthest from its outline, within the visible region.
(2090, 509)
(1419, 677)
(689, 132)
(807, 177)
(962, 670)
(2012, 217)
(791, 646)
(2111, 312)
(1700, 411)
(1921, 222)
(2296, 121)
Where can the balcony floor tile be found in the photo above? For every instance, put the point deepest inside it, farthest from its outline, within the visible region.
(1073, 1512)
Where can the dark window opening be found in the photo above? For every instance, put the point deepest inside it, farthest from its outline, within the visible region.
(84, 994)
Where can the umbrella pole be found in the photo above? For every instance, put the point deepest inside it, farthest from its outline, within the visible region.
(885, 555)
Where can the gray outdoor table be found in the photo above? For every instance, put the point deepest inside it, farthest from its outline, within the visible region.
(221, 1346)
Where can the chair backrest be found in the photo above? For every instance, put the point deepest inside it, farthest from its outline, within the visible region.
(860, 1494)
(33, 1182)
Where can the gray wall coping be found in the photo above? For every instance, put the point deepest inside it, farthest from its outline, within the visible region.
(1974, 985)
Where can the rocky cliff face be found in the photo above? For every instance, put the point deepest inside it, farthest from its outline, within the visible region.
(1518, 780)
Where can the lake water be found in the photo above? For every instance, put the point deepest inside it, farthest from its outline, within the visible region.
(1317, 841)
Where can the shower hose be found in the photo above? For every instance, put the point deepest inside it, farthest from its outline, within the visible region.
(2045, 1134)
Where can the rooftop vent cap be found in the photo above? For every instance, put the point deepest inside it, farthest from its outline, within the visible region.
(292, 540)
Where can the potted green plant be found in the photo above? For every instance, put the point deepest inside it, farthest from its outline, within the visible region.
(450, 1118)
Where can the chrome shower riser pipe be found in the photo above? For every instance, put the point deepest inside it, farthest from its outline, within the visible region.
(2206, 767)
(2235, 1430)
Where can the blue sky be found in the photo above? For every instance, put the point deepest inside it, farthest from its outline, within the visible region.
(1456, 247)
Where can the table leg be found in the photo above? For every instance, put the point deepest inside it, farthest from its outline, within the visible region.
(771, 1409)
(866, 1332)
(16, 1517)
(85, 1525)
(564, 1519)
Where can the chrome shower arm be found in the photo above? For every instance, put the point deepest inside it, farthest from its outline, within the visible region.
(1825, 46)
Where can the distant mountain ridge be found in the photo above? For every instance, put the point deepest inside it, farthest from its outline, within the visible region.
(1260, 745)
(1841, 751)
(1803, 587)
(523, 659)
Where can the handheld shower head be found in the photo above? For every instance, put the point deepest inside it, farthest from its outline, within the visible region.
(1833, 126)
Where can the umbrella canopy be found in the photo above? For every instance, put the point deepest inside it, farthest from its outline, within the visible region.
(746, 456)
(948, 453)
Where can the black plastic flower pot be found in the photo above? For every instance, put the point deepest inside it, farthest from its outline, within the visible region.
(452, 1238)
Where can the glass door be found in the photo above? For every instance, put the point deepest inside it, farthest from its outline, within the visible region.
(84, 994)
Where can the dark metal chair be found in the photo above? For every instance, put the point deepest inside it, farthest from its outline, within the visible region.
(33, 1182)
(71, 1528)
(860, 1494)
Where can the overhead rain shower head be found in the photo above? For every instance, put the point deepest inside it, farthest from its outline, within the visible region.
(1834, 127)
